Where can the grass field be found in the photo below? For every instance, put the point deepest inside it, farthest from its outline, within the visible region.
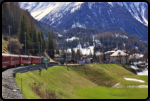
(94, 82)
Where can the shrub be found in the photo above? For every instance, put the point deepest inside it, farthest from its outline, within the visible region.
(15, 46)
(6, 37)
(48, 94)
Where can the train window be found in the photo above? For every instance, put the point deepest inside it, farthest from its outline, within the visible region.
(5, 58)
(15, 58)
(35, 58)
(26, 59)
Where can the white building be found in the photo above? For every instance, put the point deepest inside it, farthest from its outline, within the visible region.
(108, 53)
(119, 57)
(84, 60)
(57, 57)
(136, 56)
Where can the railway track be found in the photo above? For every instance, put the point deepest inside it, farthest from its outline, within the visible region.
(10, 89)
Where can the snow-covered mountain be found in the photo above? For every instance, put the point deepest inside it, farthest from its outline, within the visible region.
(131, 17)
(40, 9)
(138, 10)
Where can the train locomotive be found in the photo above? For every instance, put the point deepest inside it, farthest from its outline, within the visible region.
(11, 60)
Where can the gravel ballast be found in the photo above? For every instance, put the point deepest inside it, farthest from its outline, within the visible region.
(10, 89)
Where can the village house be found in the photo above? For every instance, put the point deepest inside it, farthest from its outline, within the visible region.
(119, 57)
(57, 57)
(108, 53)
(136, 57)
(84, 60)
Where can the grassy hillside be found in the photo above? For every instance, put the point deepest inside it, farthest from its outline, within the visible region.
(15, 45)
(95, 81)
(4, 46)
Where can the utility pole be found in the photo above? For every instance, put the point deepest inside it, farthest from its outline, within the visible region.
(28, 59)
(66, 55)
(25, 42)
(41, 46)
(9, 39)
(74, 56)
(39, 50)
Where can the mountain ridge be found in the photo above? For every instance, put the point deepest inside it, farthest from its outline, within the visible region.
(130, 17)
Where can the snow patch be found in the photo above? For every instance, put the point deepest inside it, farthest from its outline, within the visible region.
(135, 14)
(144, 72)
(134, 67)
(84, 51)
(59, 35)
(90, 4)
(138, 86)
(65, 31)
(110, 3)
(78, 25)
(40, 13)
(72, 38)
(78, 5)
(132, 79)
(122, 36)
(120, 3)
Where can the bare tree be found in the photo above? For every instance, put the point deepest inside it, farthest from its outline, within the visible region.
(120, 56)
(127, 53)
(79, 54)
(15, 46)
(145, 55)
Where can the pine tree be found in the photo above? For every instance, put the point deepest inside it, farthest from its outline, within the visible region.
(24, 29)
(39, 35)
(79, 54)
(57, 51)
(43, 42)
(50, 46)
(35, 42)
(91, 54)
(94, 57)
(73, 53)
(31, 40)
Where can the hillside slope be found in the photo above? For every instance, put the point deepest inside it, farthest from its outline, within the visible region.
(76, 83)
(4, 46)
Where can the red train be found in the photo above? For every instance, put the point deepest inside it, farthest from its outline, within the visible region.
(11, 59)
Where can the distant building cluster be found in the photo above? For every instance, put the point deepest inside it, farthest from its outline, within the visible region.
(111, 56)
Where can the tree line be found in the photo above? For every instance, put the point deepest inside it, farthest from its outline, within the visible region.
(108, 41)
(22, 23)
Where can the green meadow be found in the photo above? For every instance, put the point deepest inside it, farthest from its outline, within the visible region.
(92, 81)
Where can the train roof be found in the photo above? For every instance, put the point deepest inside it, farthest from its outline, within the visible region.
(25, 56)
(21, 55)
(9, 55)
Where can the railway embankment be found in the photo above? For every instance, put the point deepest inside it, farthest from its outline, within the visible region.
(10, 89)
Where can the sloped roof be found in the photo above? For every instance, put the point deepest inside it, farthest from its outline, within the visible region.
(110, 52)
(136, 56)
(117, 53)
